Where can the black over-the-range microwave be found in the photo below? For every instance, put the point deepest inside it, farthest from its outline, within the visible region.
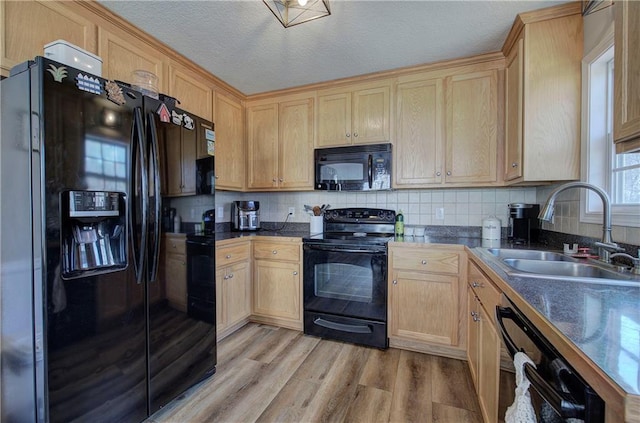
(353, 168)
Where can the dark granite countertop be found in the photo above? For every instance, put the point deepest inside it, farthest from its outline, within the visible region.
(600, 319)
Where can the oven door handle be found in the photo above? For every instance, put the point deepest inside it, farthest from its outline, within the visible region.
(345, 250)
(342, 327)
(563, 403)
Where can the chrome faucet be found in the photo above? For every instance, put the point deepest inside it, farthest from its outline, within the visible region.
(635, 269)
(606, 245)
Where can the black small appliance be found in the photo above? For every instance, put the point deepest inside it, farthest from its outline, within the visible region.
(209, 221)
(524, 226)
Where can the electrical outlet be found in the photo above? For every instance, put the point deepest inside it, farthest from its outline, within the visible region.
(292, 211)
(440, 213)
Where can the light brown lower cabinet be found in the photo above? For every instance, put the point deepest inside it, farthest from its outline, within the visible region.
(427, 299)
(483, 342)
(233, 287)
(277, 282)
(174, 270)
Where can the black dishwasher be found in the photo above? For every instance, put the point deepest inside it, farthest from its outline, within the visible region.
(559, 393)
(201, 278)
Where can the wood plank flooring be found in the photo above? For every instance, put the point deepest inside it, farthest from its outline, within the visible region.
(270, 374)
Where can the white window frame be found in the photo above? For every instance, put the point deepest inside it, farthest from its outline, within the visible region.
(595, 170)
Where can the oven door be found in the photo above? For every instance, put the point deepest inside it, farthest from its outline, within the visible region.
(345, 292)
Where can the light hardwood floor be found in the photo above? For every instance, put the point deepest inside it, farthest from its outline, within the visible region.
(269, 374)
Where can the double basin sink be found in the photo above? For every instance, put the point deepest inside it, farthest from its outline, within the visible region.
(554, 265)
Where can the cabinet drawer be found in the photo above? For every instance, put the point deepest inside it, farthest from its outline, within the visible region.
(488, 294)
(276, 251)
(427, 261)
(175, 245)
(233, 254)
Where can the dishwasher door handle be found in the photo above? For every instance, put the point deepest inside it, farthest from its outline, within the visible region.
(563, 403)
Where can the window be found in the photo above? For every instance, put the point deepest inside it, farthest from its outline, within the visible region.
(617, 174)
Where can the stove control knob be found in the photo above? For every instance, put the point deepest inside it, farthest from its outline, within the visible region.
(334, 214)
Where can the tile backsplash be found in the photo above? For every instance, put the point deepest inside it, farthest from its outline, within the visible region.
(460, 207)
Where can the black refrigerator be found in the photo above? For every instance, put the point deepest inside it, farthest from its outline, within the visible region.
(87, 331)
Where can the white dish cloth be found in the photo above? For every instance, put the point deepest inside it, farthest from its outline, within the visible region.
(521, 411)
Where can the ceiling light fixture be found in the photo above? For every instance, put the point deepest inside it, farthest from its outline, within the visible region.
(294, 12)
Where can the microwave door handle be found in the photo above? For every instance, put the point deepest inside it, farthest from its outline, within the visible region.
(370, 171)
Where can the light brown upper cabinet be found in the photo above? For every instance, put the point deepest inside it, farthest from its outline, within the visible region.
(356, 115)
(626, 128)
(194, 94)
(447, 128)
(542, 95)
(230, 150)
(122, 54)
(26, 26)
(280, 145)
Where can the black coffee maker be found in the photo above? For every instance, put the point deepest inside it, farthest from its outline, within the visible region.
(524, 226)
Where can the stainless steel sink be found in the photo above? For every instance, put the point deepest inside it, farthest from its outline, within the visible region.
(529, 255)
(542, 264)
(563, 268)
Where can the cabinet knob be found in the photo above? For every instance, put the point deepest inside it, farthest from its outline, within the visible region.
(355, 134)
(231, 276)
(438, 173)
(514, 164)
(395, 282)
(295, 273)
(474, 313)
(448, 173)
(348, 135)
(216, 177)
(424, 262)
(275, 251)
(274, 180)
(228, 256)
(281, 180)
(226, 277)
(477, 284)
(476, 318)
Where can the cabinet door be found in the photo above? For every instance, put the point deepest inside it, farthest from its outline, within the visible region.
(221, 321)
(262, 123)
(513, 114)
(237, 294)
(26, 26)
(334, 120)
(419, 133)
(188, 161)
(172, 160)
(472, 127)
(276, 291)
(121, 56)
(202, 143)
(627, 74)
(295, 159)
(194, 96)
(371, 115)
(230, 147)
(473, 335)
(488, 366)
(424, 307)
(176, 281)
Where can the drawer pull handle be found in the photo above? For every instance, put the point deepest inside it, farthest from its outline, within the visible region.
(477, 284)
(424, 262)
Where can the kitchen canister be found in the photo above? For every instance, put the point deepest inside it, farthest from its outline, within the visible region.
(491, 228)
(315, 226)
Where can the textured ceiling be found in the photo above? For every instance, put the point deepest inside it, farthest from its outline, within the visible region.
(242, 43)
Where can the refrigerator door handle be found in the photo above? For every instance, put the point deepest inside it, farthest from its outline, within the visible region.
(155, 166)
(139, 167)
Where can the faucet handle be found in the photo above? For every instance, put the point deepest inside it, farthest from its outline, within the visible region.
(609, 246)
